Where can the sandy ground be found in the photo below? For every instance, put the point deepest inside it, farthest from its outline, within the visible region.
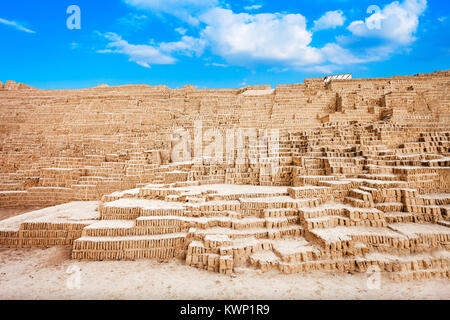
(6, 213)
(50, 274)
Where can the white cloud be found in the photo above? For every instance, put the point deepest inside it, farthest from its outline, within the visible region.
(147, 54)
(330, 20)
(396, 22)
(186, 10)
(181, 31)
(187, 46)
(16, 25)
(143, 55)
(253, 7)
(137, 21)
(243, 38)
(335, 54)
(442, 19)
(215, 64)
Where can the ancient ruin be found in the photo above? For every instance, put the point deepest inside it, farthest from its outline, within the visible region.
(347, 175)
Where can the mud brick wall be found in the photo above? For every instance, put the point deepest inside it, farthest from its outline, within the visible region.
(99, 140)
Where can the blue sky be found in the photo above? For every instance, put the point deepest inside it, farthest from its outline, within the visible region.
(219, 43)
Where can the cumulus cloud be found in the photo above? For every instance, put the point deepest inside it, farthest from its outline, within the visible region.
(335, 54)
(148, 54)
(187, 46)
(330, 20)
(143, 55)
(396, 22)
(244, 38)
(16, 25)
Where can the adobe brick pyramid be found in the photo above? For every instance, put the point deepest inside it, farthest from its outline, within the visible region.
(362, 179)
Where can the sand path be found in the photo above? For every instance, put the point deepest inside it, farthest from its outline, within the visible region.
(42, 274)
